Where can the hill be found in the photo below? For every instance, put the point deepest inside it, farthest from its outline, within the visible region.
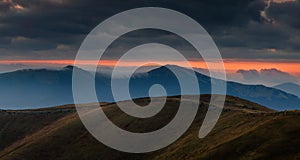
(245, 130)
(291, 88)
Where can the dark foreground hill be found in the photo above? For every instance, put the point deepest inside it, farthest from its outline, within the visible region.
(245, 130)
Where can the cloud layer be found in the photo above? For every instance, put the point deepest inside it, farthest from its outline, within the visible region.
(268, 77)
(54, 29)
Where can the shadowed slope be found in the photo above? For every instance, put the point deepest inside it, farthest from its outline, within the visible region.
(244, 131)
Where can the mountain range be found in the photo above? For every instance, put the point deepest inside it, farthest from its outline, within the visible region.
(44, 87)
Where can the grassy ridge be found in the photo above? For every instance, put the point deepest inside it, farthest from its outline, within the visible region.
(245, 130)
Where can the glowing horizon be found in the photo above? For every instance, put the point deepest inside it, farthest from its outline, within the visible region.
(230, 65)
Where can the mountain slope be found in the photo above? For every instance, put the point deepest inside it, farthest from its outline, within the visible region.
(35, 88)
(270, 97)
(291, 88)
(42, 88)
(245, 130)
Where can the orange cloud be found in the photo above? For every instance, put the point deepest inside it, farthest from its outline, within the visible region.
(290, 67)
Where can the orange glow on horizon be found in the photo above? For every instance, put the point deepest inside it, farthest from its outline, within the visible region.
(230, 66)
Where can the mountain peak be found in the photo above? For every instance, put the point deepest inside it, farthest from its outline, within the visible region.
(69, 67)
(168, 66)
(167, 69)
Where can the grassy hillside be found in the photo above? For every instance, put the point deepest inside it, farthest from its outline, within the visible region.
(245, 131)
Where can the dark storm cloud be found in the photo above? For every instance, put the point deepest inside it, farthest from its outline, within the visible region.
(237, 26)
(286, 13)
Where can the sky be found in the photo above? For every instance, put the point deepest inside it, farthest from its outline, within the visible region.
(258, 39)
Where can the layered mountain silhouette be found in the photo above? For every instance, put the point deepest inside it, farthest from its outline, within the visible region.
(245, 130)
(289, 87)
(44, 87)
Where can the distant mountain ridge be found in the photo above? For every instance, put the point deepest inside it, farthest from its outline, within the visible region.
(289, 87)
(44, 88)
